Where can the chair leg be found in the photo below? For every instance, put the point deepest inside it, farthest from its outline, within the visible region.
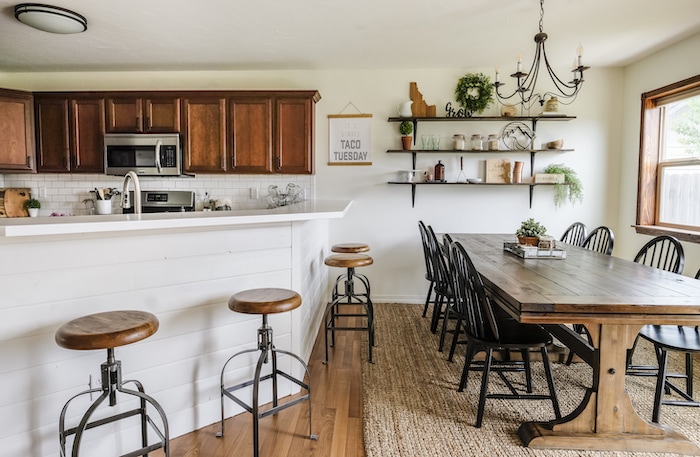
(689, 373)
(427, 298)
(550, 382)
(455, 338)
(660, 384)
(445, 321)
(484, 388)
(528, 373)
(467, 363)
(437, 311)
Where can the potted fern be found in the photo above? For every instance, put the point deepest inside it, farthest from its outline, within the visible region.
(530, 232)
(572, 189)
(32, 206)
(406, 128)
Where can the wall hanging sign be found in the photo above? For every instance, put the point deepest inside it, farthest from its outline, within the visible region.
(350, 139)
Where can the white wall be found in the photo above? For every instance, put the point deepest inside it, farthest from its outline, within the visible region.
(381, 214)
(670, 65)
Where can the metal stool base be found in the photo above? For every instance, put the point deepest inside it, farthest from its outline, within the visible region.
(111, 384)
(349, 297)
(267, 352)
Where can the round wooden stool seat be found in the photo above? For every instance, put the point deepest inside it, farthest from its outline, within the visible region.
(264, 301)
(106, 330)
(348, 260)
(350, 248)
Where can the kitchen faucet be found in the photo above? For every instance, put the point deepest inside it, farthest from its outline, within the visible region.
(125, 203)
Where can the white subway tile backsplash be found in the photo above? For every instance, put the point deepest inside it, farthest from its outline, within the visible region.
(65, 193)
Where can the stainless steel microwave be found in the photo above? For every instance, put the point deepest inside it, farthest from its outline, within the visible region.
(145, 154)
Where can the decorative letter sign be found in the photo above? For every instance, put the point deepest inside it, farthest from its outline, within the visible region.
(350, 139)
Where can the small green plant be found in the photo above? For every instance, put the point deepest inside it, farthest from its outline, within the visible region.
(530, 228)
(32, 203)
(572, 187)
(406, 128)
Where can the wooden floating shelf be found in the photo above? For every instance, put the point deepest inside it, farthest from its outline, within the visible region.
(413, 185)
(475, 151)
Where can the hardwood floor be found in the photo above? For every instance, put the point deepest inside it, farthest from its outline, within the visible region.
(336, 396)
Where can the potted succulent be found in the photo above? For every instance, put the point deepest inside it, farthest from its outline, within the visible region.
(529, 232)
(406, 128)
(572, 187)
(32, 206)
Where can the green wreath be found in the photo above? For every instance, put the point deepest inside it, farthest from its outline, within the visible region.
(474, 92)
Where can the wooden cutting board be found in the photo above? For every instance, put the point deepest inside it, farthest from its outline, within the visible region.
(12, 202)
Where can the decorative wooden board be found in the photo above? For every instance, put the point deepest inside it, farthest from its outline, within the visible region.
(419, 107)
(12, 202)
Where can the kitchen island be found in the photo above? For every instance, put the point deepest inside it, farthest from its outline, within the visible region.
(182, 267)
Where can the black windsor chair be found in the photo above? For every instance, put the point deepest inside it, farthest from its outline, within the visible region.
(488, 328)
(443, 288)
(601, 239)
(575, 234)
(429, 268)
(666, 253)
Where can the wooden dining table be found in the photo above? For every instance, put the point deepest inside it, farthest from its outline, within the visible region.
(613, 298)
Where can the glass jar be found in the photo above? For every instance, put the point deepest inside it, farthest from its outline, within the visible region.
(477, 142)
(459, 142)
(493, 142)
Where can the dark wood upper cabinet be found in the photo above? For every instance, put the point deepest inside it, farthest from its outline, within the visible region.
(87, 135)
(16, 132)
(143, 114)
(204, 134)
(250, 134)
(294, 121)
(256, 132)
(70, 134)
(53, 134)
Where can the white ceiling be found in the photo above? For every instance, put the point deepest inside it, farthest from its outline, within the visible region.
(324, 34)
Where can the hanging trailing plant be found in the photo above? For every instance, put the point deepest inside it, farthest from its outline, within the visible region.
(474, 92)
(572, 189)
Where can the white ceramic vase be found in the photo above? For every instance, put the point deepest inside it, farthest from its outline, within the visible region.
(33, 212)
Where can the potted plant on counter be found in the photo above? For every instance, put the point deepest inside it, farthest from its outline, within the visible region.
(406, 128)
(530, 232)
(32, 206)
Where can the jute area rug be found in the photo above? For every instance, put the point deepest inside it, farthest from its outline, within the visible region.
(412, 407)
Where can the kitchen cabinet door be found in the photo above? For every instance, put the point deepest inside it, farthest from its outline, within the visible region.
(87, 131)
(250, 134)
(294, 135)
(70, 134)
(204, 135)
(138, 115)
(16, 132)
(53, 134)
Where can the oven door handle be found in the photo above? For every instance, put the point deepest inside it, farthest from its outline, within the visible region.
(159, 143)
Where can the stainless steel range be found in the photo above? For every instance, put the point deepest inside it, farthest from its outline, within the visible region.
(163, 201)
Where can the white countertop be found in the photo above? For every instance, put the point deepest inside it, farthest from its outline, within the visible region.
(65, 225)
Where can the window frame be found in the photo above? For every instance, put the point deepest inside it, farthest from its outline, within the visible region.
(649, 153)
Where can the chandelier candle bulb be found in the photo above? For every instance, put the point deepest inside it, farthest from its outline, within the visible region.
(520, 63)
(497, 71)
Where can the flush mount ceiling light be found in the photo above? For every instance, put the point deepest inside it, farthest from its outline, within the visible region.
(49, 18)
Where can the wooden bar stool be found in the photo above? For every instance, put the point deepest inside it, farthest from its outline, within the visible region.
(350, 248)
(106, 331)
(264, 301)
(349, 296)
